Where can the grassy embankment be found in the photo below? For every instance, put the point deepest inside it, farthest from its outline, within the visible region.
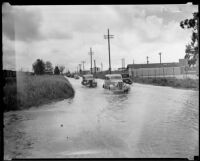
(166, 81)
(35, 90)
(171, 82)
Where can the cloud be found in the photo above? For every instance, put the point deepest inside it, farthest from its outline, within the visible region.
(26, 24)
(9, 61)
(64, 34)
(8, 21)
(21, 24)
(58, 35)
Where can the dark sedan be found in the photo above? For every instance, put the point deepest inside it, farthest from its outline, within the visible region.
(126, 78)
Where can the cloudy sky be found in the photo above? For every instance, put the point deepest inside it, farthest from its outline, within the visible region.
(64, 34)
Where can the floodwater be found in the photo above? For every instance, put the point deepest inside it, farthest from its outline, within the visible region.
(149, 121)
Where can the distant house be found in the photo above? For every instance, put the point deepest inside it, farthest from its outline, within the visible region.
(85, 71)
(9, 73)
(157, 69)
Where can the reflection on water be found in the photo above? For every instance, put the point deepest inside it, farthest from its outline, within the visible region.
(149, 121)
(117, 100)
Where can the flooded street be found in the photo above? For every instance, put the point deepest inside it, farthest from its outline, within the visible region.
(149, 121)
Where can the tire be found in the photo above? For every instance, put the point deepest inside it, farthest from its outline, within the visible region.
(103, 86)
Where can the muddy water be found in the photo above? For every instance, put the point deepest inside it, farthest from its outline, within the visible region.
(149, 121)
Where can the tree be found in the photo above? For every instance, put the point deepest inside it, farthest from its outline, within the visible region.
(192, 48)
(61, 68)
(56, 70)
(48, 67)
(39, 66)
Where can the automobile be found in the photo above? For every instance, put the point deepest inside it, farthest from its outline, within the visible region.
(68, 75)
(126, 78)
(76, 76)
(115, 83)
(89, 81)
(72, 75)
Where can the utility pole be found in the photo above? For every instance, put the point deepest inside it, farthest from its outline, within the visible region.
(147, 60)
(123, 64)
(83, 62)
(91, 53)
(133, 61)
(109, 37)
(160, 57)
(79, 68)
(101, 66)
(94, 66)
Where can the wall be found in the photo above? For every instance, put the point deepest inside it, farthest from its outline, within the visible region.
(156, 71)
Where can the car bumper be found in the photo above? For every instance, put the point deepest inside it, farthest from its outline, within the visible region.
(117, 90)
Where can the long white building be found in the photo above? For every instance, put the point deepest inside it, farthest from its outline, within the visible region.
(157, 69)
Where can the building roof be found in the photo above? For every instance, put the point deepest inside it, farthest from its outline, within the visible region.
(153, 65)
(112, 75)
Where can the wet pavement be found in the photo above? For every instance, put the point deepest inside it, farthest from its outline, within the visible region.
(149, 121)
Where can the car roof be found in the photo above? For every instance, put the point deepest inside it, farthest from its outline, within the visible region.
(88, 75)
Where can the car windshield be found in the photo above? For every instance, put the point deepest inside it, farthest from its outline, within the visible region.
(116, 77)
(125, 76)
(88, 76)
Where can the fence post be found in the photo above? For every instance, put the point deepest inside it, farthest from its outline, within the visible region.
(186, 72)
(142, 75)
(163, 72)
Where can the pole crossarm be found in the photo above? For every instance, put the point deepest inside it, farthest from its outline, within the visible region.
(108, 36)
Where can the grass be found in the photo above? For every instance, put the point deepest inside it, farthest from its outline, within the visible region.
(169, 81)
(31, 90)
